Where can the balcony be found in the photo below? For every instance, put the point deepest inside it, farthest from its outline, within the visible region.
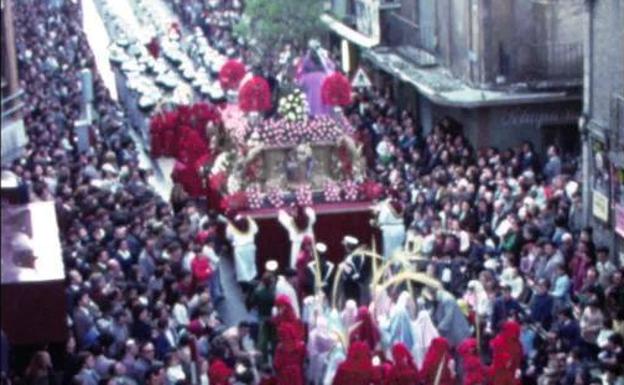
(13, 131)
(410, 40)
(547, 63)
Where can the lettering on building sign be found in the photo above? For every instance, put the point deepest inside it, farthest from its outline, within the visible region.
(600, 206)
(527, 115)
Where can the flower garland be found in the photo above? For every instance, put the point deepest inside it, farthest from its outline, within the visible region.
(231, 74)
(303, 195)
(294, 107)
(351, 190)
(283, 132)
(255, 95)
(336, 90)
(331, 191)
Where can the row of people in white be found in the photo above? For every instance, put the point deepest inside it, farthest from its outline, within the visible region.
(241, 233)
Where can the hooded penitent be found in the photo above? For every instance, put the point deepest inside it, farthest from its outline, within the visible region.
(289, 356)
(366, 331)
(404, 371)
(357, 368)
(286, 316)
(437, 360)
(219, 373)
(506, 354)
(475, 372)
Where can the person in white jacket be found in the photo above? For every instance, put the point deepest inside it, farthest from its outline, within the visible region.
(241, 232)
(392, 226)
(298, 227)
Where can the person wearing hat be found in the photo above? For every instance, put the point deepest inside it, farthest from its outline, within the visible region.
(326, 270)
(355, 272)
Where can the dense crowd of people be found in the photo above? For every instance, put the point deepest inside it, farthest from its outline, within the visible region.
(525, 294)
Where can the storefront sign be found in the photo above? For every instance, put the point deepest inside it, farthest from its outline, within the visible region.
(601, 206)
(619, 220)
(367, 17)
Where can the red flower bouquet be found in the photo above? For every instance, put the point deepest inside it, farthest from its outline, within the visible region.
(231, 74)
(336, 90)
(371, 190)
(202, 113)
(255, 95)
(217, 181)
(236, 201)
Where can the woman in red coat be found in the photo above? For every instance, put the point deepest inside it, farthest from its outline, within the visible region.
(438, 360)
(289, 356)
(404, 371)
(366, 331)
(357, 368)
(475, 372)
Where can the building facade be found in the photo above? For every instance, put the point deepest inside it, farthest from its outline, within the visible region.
(504, 70)
(602, 124)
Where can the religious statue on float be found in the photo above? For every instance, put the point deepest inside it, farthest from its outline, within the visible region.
(312, 70)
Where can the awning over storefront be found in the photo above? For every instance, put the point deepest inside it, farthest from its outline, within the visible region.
(349, 33)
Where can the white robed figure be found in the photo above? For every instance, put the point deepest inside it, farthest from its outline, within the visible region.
(392, 226)
(241, 233)
(400, 326)
(320, 343)
(424, 332)
(298, 226)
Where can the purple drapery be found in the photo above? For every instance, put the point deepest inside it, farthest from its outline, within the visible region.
(310, 77)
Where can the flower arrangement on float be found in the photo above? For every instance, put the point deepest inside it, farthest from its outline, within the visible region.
(336, 90)
(303, 195)
(255, 95)
(282, 132)
(294, 107)
(371, 190)
(235, 201)
(166, 127)
(231, 74)
(255, 197)
(351, 190)
(331, 191)
(276, 196)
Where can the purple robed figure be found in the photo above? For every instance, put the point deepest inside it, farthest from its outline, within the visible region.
(311, 72)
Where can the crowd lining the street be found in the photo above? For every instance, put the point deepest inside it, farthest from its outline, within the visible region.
(528, 296)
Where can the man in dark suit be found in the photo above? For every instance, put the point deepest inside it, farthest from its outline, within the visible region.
(326, 269)
(355, 273)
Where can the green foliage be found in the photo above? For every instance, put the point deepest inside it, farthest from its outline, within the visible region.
(272, 23)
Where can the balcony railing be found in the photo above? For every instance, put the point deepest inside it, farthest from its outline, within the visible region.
(544, 62)
(402, 32)
(12, 106)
